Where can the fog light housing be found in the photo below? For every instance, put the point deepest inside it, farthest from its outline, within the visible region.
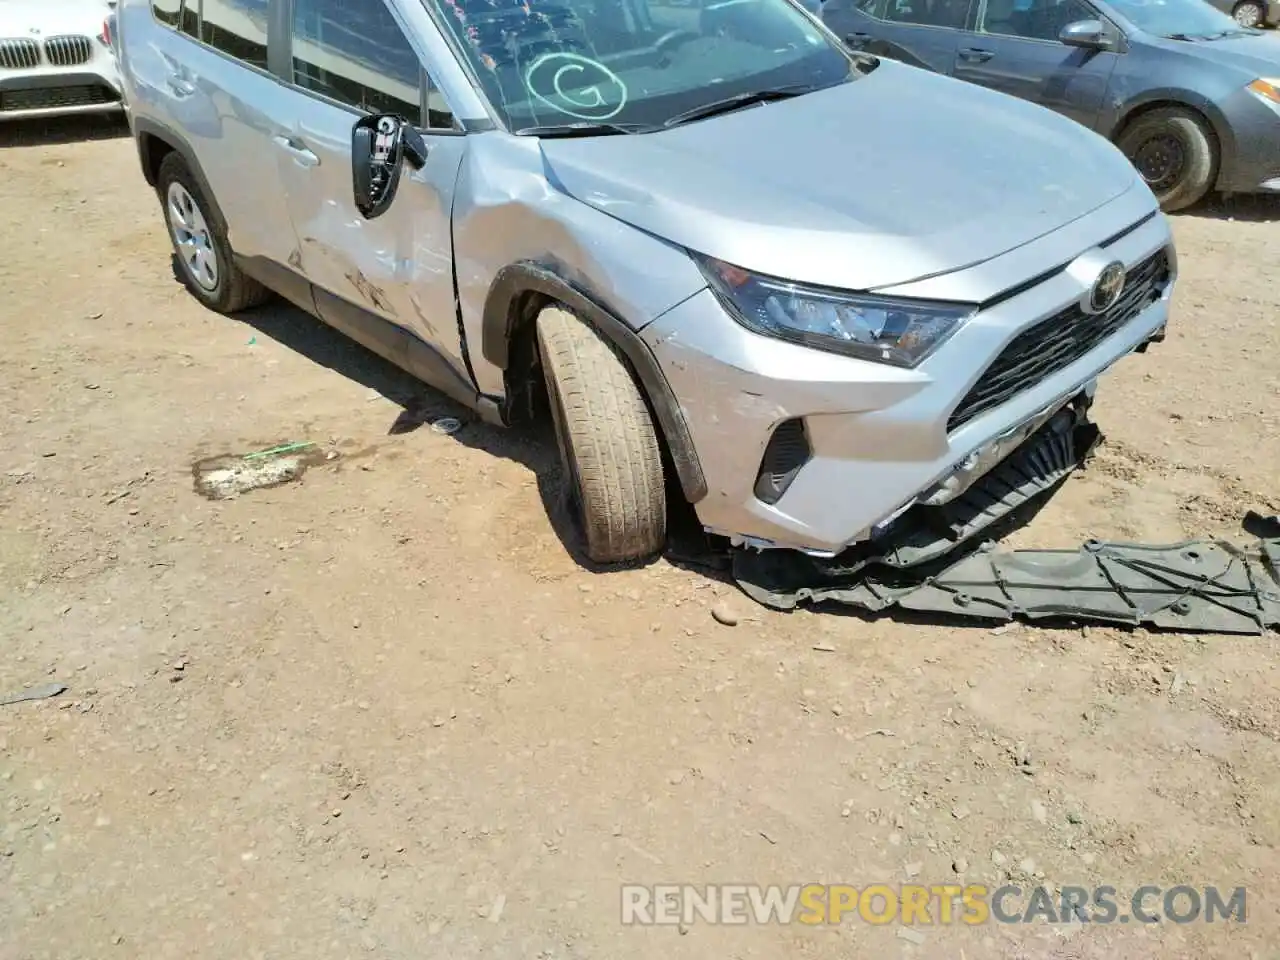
(788, 450)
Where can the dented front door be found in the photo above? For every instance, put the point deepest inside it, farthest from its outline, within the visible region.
(398, 267)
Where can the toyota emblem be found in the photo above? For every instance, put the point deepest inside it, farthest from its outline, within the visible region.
(1107, 288)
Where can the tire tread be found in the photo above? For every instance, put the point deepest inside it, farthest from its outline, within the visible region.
(611, 438)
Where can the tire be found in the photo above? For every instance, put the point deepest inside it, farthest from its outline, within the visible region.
(1249, 13)
(226, 288)
(1148, 142)
(608, 444)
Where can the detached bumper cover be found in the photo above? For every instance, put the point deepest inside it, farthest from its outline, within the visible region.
(1197, 586)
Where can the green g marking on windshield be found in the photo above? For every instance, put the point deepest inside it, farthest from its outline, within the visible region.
(576, 86)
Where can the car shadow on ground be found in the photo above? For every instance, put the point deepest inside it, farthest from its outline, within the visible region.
(532, 445)
(1255, 208)
(55, 131)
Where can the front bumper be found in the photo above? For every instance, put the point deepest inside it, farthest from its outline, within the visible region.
(880, 439)
(1251, 163)
(49, 91)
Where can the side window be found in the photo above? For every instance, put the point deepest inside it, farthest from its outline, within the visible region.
(191, 18)
(929, 13)
(167, 11)
(872, 8)
(236, 27)
(439, 114)
(1032, 19)
(354, 51)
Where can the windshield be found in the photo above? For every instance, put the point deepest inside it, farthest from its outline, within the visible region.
(1192, 19)
(635, 64)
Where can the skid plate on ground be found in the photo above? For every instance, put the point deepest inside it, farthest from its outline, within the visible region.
(1200, 585)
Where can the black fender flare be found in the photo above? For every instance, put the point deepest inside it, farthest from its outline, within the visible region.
(144, 127)
(501, 319)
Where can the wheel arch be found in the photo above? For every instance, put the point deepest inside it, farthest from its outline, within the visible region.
(518, 293)
(1222, 139)
(1195, 104)
(155, 142)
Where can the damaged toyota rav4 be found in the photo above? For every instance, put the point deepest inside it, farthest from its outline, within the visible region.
(805, 289)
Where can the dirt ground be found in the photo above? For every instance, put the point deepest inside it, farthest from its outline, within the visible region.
(382, 711)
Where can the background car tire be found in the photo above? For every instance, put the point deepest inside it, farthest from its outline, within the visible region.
(1248, 13)
(234, 290)
(1189, 134)
(607, 440)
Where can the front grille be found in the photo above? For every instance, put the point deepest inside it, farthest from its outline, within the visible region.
(52, 98)
(19, 54)
(1056, 343)
(70, 51)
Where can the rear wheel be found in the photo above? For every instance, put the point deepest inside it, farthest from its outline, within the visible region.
(607, 441)
(1248, 13)
(1175, 152)
(200, 245)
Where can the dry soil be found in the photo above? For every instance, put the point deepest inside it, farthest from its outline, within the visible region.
(382, 711)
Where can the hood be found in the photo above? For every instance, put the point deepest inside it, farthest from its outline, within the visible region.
(1257, 55)
(899, 175)
(51, 17)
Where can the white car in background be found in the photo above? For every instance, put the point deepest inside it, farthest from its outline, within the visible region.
(56, 59)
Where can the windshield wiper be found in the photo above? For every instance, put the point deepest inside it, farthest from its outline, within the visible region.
(737, 101)
(1202, 37)
(582, 129)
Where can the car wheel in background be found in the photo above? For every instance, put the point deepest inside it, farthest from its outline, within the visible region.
(1248, 13)
(1175, 152)
(200, 246)
(607, 441)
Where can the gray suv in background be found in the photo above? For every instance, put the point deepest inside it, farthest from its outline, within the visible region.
(803, 289)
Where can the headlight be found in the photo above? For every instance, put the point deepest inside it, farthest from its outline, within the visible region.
(1267, 87)
(883, 329)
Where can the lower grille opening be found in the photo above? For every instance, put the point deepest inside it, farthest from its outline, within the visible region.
(1057, 342)
(54, 98)
(787, 452)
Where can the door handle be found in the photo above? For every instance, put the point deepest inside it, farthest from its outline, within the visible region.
(298, 150)
(180, 85)
(857, 40)
(976, 55)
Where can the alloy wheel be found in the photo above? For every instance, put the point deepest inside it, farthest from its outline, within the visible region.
(1248, 15)
(191, 238)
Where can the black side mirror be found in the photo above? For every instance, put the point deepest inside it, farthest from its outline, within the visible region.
(1086, 34)
(380, 144)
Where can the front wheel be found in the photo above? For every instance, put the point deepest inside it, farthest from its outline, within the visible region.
(1175, 152)
(1248, 13)
(608, 444)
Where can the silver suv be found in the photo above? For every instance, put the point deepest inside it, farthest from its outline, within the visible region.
(802, 288)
